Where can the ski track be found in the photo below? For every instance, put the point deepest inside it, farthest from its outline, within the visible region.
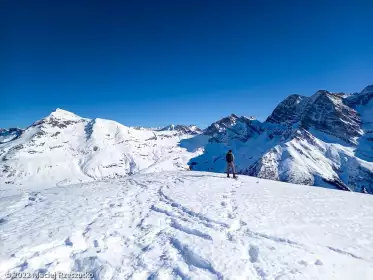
(150, 227)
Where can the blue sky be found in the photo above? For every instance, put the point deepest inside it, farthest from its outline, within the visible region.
(151, 63)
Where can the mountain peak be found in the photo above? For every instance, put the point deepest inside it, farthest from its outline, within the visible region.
(64, 115)
(249, 118)
(290, 109)
(221, 124)
(59, 118)
(368, 89)
(322, 91)
(187, 129)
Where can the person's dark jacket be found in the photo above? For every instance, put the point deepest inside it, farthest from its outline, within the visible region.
(229, 157)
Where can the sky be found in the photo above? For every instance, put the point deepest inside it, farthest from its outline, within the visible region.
(151, 63)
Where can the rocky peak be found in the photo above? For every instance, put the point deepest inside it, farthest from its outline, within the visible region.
(234, 128)
(362, 98)
(289, 111)
(324, 111)
(221, 125)
(328, 113)
(59, 118)
(185, 129)
(10, 134)
(367, 90)
(63, 115)
(247, 119)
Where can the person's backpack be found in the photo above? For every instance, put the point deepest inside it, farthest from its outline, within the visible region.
(229, 157)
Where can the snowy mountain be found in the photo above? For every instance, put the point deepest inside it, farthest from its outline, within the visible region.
(221, 125)
(93, 196)
(183, 129)
(10, 134)
(323, 140)
(186, 225)
(64, 148)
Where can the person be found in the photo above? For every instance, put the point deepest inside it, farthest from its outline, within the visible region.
(229, 157)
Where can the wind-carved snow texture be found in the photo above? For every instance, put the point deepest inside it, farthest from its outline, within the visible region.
(323, 140)
(187, 225)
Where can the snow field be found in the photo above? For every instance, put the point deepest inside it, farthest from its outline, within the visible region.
(187, 225)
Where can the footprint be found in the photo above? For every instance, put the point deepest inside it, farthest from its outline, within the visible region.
(23, 266)
(318, 262)
(231, 216)
(253, 253)
(223, 203)
(68, 242)
(95, 244)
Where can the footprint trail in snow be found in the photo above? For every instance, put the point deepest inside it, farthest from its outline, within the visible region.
(188, 225)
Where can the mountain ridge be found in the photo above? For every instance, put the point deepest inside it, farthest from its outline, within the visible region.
(322, 140)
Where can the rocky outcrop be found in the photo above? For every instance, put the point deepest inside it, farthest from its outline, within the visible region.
(184, 129)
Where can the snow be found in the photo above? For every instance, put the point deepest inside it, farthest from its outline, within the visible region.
(64, 148)
(63, 114)
(187, 225)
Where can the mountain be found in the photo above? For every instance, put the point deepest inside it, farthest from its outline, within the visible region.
(183, 129)
(10, 134)
(64, 148)
(94, 199)
(221, 125)
(323, 140)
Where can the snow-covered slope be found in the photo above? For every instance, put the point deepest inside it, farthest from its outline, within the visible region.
(187, 225)
(323, 140)
(64, 148)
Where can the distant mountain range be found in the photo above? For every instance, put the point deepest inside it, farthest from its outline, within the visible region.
(184, 129)
(324, 140)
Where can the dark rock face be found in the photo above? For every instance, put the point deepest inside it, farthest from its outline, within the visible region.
(243, 129)
(327, 112)
(289, 111)
(324, 111)
(360, 99)
(7, 135)
(221, 125)
(184, 129)
(55, 122)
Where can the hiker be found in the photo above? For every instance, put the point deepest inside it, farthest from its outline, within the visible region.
(229, 157)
